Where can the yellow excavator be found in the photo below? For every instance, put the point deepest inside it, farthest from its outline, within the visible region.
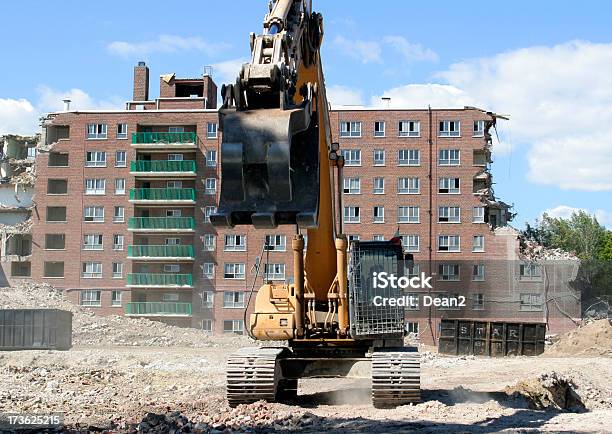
(279, 166)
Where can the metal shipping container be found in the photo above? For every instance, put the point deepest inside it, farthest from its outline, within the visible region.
(35, 329)
(491, 338)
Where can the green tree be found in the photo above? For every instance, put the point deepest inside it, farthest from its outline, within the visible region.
(605, 252)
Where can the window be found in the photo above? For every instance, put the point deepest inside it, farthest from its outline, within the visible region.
(53, 269)
(211, 186)
(449, 157)
(116, 298)
(379, 157)
(379, 186)
(120, 186)
(208, 270)
(478, 214)
(209, 241)
(414, 298)
(58, 159)
(233, 326)
(208, 299)
(207, 325)
(176, 129)
(208, 211)
(409, 157)
(350, 129)
(378, 238)
(120, 159)
(478, 272)
(530, 272)
(449, 298)
(409, 129)
(413, 327)
(174, 213)
(95, 187)
(352, 186)
(117, 270)
(91, 270)
(170, 297)
(92, 242)
(234, 271)
(411, 243)
(448, 272)
(122, 131)
(478, 243)
(379, 129)
(57, 186)
(118, 242)
(96, 131)
(352, 157)
(211, 130)
(211, 158)
(55, 241)
(94, 214)
(531, 302)
(172, 268)
(408, 186)
(172, 241)
(449, 243)
(413, 271)
(175, 157)
(448, 186)
(277, 243)
(119, 214)
(351, 214)
(449, 214)
(174, 184)
(274, 271)
(95, 159)
(352, 238)
(91, 297)
(31, 153)
(478, 302)
(449, 129)
(56, 214)
(233, 299)
(379, 214)
(235, 243)
(408, 214)
(479, 128)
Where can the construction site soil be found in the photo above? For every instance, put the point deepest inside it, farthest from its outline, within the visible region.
(127, 375)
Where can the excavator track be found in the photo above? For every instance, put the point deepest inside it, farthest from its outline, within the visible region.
(396, 377)
(253, 374)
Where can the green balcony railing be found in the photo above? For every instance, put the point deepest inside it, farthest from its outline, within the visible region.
(172, 251)
(149, 279)
(161, 223)
(162, 194)
(163, 166)
(158, 308)
(163, 138)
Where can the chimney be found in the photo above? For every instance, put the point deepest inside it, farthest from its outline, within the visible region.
(210, 89)
(66, 104)
(141, 82)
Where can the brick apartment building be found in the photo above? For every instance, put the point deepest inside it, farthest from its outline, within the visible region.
(123, 199)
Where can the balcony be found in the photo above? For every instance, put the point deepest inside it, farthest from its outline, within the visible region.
(164, 141)
(158, 309)
(161, 224)
(163, 169)
(162, 196)
(148, 280)
(164, 253)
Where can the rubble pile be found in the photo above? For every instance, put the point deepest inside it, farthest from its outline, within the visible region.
(548, 391)
(532, 251)
(23, 227)
(591, 339)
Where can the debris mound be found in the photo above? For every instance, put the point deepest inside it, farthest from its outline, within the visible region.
(549, 391)
(592, 339)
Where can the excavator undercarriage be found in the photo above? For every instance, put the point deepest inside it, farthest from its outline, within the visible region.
(279, 167)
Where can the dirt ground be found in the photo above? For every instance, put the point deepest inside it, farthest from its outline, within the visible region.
(106, 382)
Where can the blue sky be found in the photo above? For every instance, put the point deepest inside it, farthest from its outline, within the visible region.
(545, 64)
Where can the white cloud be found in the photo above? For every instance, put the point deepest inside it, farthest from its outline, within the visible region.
(17, 116)
(342, 96)
(227, 72)
(411, 52)
(165, 44)
(559, 99)
(364, 51)
(565, 212)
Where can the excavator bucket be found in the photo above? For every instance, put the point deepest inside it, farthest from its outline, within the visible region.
(269, 168)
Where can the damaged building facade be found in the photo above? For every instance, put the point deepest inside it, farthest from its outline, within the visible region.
(123, 200)
(17, 174)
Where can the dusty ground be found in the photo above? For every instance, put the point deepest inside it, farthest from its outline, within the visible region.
(112, 380)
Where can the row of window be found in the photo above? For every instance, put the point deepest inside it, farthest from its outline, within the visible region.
(408, 185)
(99, 158)
(238, 243)
(91, 214)
(236, 271)
(411, 214)
(405, 157)
(446, 243)
(99, 131)
(408, 128)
